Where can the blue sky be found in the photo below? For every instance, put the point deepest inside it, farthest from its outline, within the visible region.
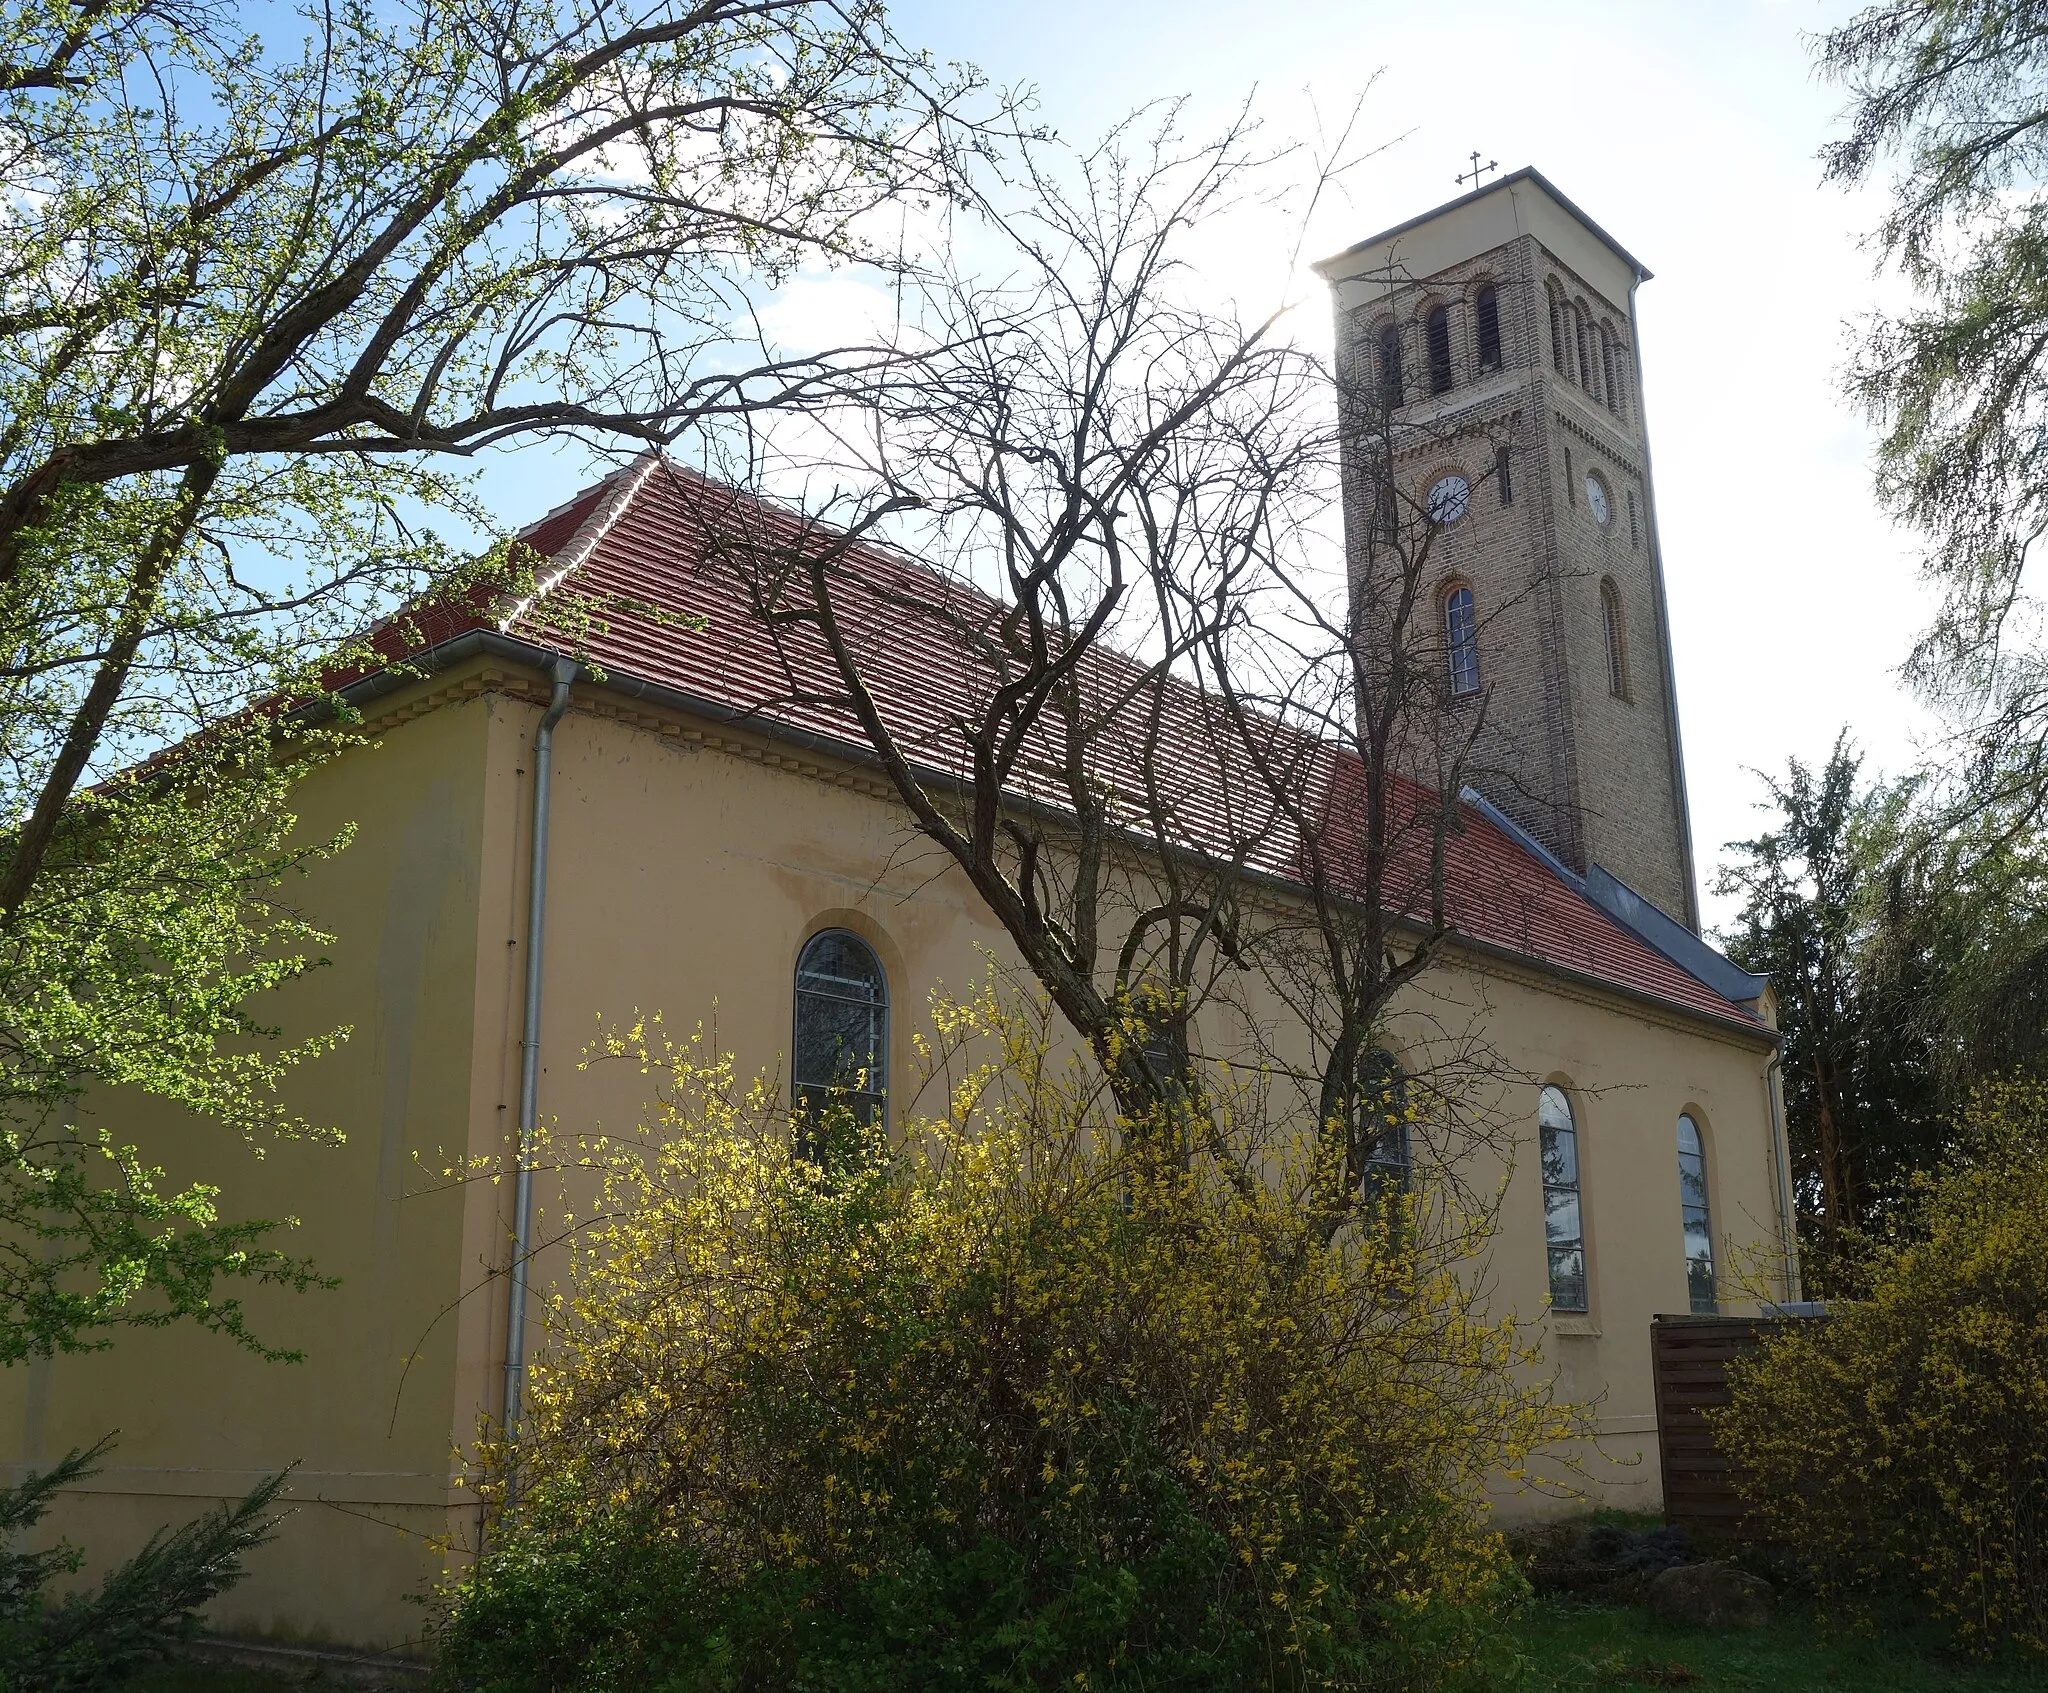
(1689, 131)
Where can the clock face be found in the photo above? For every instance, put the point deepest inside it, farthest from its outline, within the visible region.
(1596, 499)
(1448, 498)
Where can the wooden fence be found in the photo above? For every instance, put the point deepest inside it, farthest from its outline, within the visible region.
(1689, 1359)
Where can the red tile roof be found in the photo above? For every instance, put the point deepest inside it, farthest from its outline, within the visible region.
(634, 583)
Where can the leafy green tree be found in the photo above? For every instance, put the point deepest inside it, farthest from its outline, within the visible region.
(1860, 1075)
(262, 297)
(1956, 92)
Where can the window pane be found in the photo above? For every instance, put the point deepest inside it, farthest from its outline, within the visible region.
(835, 1041)
(1696, 1219)
(1561, 1218)
(1461, 635)
(839, 963)
(1553, 1110)
(1560, 1158)
(1699, 1261)
(1567, 1278)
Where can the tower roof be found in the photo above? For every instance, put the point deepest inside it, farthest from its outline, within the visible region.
(1335, 267)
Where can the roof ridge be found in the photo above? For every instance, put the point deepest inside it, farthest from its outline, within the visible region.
(617, 493)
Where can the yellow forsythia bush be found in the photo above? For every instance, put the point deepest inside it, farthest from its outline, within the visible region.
(1901, 1446)
(1012, 1399)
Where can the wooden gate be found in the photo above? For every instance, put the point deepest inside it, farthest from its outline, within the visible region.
(1689, 1359)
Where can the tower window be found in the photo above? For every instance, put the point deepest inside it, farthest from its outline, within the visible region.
(1617, 639)
(1439, 333)
(1588, 376)
(1564, 1233)
(1617, 376)
(1390, 366)
(1571, 493)
(1486, 309)
(1461, 641)
(1504, 475)
(1692, 1204)
(1557, 331)
(1634, 537)
(841, 1045)
(1386, 515)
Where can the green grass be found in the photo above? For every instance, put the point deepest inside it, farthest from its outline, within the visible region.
(215, 1678)
(1572, 1645)
(176, 1677)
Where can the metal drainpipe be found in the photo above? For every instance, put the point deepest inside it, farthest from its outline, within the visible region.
(1781, 1179)
(565, 673)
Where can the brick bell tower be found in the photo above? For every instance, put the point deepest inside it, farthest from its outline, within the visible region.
(1497, 333)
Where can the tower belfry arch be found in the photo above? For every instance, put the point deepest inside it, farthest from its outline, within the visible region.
(1497, 334)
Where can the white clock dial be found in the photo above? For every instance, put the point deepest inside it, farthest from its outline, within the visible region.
(1596, 500)
(1448, 498)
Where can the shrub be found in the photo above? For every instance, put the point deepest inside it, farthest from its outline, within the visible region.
(1901, 1447)
(91, 1642)
(1017, 1400)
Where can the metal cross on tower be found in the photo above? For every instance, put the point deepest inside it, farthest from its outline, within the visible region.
(1472, 176)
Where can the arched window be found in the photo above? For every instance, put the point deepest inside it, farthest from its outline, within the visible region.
(1390, 366)
(1383, 1123)
(1504, 473)
(1563, 1232)
(1612, 364)
(841, 1045)
(1557, 331)
(1461, 641)
(1699, 1230)
(1617, 639)
(1438, 325)
(1486, 312)
(1589, 378)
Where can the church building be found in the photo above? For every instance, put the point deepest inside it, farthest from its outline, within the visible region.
(703, 851)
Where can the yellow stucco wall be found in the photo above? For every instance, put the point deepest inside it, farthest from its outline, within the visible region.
(690, 863)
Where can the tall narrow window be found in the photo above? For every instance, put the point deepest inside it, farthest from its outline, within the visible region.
(1504, 474)
(1617, 378)
(1635, 538)
(1617, 639)
(1557, 331)
(1564, 1233)
(841, 1045)
(1461, 641)
(1386, 515)
(1439, 334)
(1390, 366)
(1589, 378)
(1571, 488)
(1607, 390)
(1699, 1230)
(1383, 1123)
(1486, 309)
